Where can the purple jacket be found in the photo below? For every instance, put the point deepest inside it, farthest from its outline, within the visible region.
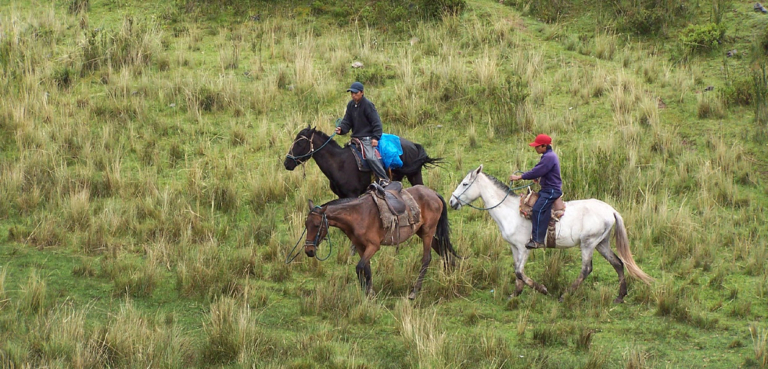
(548, 170)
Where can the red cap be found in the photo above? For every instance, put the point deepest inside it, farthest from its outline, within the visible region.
(541, 139)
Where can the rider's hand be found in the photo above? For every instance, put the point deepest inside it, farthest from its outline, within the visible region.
(338, 130)
(374, 142)
(515, 177)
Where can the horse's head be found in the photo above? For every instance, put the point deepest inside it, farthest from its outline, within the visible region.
(317, 228)
(467, 191)
(301, 149)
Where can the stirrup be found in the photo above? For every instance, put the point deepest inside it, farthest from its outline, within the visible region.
(532, 245)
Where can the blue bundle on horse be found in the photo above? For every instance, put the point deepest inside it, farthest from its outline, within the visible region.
(340, 166)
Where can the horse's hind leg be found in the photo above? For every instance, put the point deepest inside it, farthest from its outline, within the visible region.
(416, 178)
(604, 248)
(425, 260)
(586, 267)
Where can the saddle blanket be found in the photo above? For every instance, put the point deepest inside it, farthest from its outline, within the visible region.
(394, 223)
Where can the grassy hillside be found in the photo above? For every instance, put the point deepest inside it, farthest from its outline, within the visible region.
(146, 213)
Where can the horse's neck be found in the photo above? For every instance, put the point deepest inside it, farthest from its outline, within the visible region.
(328, 157)
(505, 210)
(339, 215)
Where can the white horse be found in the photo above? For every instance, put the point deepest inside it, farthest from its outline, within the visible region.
(586, 223)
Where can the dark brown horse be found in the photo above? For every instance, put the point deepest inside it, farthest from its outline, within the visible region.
(359, 219)
(339, 164)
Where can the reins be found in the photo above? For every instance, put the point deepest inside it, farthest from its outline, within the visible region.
(509, 190)
(311, 151)
(291, 256)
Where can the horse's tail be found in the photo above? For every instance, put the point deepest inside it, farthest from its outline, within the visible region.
(443, 236)
(415, 157)
(622, 246)
(425, 160)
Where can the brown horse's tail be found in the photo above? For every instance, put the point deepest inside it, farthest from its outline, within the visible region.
(622, 246)
(443, 237)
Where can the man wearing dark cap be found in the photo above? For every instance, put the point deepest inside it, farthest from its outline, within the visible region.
(548, 173)
(363, 119)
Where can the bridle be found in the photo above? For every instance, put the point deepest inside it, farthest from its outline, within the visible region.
(316, 242)
(509, 190)
(312, 150)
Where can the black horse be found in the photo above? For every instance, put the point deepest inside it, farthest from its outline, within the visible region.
(339, 164)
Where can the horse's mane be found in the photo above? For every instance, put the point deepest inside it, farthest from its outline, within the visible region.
(501, 185)
(322, 135)
(339, 201)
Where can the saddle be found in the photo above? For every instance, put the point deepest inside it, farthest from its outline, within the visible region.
(397, 209)
(392, 196)
(558, 211)
(357, 148)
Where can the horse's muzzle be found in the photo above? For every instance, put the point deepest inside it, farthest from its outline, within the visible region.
(455, 203)
(309, 250)
(290, 164)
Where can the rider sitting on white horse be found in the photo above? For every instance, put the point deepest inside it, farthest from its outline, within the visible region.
(548, 173)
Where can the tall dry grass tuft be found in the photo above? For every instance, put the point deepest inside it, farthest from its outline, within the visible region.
(133, 339)
(605, 46)
(759, 344)
(33, 297)
(233, 335)
(636, 358)
(419, 330)
(208, 271)
(624, 94)
(3, 294)
(336, 296)
(710, 106)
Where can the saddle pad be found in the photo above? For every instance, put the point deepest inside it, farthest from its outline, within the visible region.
(393, 223)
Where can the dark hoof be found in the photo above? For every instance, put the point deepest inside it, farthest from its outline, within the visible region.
(618, 300)
(412, 296)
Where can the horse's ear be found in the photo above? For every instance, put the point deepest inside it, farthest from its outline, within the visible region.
(311, 205)
(479, 169)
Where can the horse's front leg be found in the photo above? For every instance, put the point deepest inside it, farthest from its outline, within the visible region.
(520, 273)
(518, 282)
(425, 260)
(363, 267)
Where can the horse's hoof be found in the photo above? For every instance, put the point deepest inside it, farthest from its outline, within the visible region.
(618, 300)
(562, 298)
(544, 290)
(412, 296)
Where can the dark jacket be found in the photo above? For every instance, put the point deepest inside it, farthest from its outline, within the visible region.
(548, 170)
(363, 119)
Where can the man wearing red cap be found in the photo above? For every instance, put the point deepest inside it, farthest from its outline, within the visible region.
(548, 173)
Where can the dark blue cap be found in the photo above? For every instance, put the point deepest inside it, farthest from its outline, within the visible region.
(356, 87)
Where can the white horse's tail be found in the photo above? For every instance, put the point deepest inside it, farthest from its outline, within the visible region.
(622, 246)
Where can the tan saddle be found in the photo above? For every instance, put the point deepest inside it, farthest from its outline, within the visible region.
(397, 209)
(392, 195)
(558, 210)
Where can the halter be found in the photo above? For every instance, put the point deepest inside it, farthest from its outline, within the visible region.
(509, 190)
(312, 151)
(316, 242)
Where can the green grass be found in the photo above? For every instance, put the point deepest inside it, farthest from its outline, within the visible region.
(146, 214)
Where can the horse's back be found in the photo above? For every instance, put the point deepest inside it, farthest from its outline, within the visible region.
(588, 210)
